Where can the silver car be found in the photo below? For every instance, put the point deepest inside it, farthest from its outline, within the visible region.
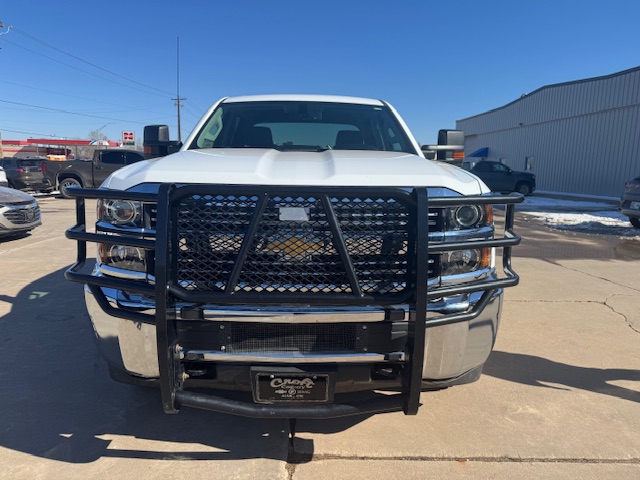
(19, 212)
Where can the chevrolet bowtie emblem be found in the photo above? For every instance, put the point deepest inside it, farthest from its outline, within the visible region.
(294, 246)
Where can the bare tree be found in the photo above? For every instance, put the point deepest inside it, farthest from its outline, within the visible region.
(87, 151)
(97, 135)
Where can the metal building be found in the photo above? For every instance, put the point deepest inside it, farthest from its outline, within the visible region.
(580, 137)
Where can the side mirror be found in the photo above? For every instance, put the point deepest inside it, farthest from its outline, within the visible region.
(450, 146)
(428, 152)
(156, 141)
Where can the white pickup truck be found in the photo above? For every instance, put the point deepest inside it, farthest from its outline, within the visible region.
(297, 257)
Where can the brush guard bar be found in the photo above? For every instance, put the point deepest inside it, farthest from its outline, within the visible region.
(167, 291)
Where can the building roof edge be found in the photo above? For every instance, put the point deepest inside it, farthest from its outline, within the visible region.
(553, 85)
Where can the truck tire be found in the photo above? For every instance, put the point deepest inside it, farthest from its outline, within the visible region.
(635, 221)
(524, 188)
(66, 183)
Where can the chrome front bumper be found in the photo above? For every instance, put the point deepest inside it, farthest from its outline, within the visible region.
(450, 350)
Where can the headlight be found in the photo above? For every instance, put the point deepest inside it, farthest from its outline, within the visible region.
(122, 256)
(466, 223)
(465, 261)
(120, 212)
(468, 216)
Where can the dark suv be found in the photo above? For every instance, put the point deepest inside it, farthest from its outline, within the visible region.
(26, 174)
(500, 178)
(630, 201)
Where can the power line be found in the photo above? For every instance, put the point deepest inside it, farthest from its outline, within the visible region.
(28, 133)
(70, 113)
(28, 35)
(197, 109)
(162, 93)
(80, 69)
(189, 110)
(71, 96)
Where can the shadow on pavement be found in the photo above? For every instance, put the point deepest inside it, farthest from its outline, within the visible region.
(532, 370)
(58, 401)
(13, 236)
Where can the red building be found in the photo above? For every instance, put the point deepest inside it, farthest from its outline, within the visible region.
(40, 147)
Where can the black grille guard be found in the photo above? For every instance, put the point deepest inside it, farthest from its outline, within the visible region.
(167, 291)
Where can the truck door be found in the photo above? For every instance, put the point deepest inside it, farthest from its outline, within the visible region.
(496, 175)
(105, 164)
(502, 178)
(484, 170)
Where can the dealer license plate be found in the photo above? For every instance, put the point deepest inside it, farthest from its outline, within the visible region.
(635, 205)
(291, 387)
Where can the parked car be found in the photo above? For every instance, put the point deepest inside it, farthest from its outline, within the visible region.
(81, 173)
(19, 212)
(500, 178)
(630, 201)
(26, 174)
(3, 177)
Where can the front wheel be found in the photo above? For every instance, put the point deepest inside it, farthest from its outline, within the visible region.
(523, 188)
(635, 221)
(66, 183)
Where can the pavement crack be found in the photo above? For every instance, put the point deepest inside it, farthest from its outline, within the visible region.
(606, 300)
(294, 459)
(596, 302)
(291, 470)
(591, 275)
(503, 459)
(626, 319)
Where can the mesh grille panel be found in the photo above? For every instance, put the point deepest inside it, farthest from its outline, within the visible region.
(293, 249)
(293, 338)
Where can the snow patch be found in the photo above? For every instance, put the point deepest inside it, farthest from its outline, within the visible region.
(579, 216)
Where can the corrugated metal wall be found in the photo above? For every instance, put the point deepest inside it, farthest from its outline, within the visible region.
(584, 135)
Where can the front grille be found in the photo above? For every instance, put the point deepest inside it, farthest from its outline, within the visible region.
(151, 216)
(22, 216)
(289, 338)
(294, 249)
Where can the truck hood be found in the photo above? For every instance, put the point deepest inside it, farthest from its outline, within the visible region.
(258, 166)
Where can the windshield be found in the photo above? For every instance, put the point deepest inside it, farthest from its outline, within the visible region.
(303, 126)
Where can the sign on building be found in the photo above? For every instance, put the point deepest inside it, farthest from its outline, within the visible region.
(128, 138)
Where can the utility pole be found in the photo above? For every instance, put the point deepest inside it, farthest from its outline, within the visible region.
(179, 105)
(179, 98)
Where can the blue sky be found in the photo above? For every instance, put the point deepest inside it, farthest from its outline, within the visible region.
(434, 61)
